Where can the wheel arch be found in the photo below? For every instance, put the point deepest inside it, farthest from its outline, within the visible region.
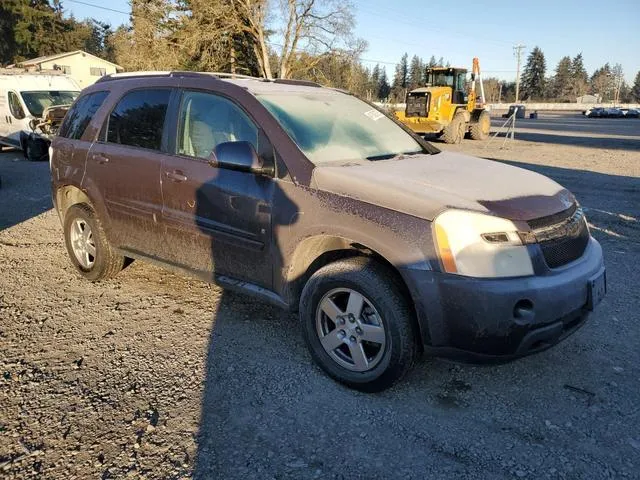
(315, 252)
(465, 113)
(475, 115)
(68, 195)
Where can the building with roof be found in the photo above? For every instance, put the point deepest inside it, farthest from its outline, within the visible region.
(588, 99)
(83, 67)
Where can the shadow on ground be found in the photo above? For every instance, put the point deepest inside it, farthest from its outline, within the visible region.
(612, 143)
(269, 412)
(25, 188)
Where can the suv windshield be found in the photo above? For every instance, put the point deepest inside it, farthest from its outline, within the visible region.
(37, 101)
(334, 127)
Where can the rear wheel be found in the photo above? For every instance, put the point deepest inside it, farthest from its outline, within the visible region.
(358, 325)
(87, 246)
(454, 132)
(480, 129)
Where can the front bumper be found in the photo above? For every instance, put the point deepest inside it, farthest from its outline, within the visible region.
(502, 319)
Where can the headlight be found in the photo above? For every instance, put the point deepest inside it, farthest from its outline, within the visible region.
(478, 245)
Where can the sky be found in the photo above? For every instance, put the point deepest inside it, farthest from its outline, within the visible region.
(462, 29)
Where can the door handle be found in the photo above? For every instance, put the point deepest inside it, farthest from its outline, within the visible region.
(176, 176)
(101, 159)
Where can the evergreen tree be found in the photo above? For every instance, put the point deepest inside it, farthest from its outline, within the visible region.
(415, 72)
(533, 75)
(374, 82)
(440, 62)
(399, 85)
(635, 89)
(402, 71)
(432, 61)
(624, 95)
(562, 85)
(579, 76)
(383, 85)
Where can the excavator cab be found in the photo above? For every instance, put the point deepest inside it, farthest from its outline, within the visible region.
(454, 78)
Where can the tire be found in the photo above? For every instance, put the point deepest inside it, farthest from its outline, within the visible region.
(391, 351)
(36, 149)
(454, 132)
(480, 129)
(98, 263)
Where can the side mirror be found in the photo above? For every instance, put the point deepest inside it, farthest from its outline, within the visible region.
(239, 156)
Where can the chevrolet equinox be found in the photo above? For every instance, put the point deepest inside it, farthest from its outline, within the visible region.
(320, 203)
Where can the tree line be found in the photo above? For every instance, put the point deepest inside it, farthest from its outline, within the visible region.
(304, 39)
(570, 80)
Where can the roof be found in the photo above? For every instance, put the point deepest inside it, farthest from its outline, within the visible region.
(261, 86)
(48, 58)
(253, 84)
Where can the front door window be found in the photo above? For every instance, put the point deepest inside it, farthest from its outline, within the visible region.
(15, 106)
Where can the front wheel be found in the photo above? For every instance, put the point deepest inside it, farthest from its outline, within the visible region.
(454, 132)
(358, 325)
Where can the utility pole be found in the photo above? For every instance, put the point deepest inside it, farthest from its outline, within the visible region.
(517, 50)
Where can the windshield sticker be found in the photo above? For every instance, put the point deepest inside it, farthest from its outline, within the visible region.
(374, 115)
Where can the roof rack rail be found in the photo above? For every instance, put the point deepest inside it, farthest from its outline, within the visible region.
(291, 81)
(220, 75)
(233, 75)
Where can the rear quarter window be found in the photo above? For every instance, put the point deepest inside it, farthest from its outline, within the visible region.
(138, 118)
(80, 114)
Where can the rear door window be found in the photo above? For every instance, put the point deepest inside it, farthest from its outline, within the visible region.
(80, 114)
(138, 118)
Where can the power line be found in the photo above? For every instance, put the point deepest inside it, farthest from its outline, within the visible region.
(98, 6)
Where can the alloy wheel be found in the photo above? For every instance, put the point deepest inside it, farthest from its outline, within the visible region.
(82, 243)
(350, 329)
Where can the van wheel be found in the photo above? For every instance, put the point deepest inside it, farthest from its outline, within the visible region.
(36, 149)
(358, 325)
(454, 132)
(87, 246)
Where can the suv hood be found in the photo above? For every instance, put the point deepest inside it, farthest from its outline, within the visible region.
(425, 185)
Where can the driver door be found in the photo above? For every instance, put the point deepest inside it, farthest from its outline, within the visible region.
(217, 220)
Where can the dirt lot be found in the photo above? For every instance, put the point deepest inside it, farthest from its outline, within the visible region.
(154, 375)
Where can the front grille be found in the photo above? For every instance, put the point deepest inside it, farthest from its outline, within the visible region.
(563, 242)
(548, 221)
(417, 105)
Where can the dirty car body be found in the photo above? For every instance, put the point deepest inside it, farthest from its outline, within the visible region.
(493, 262)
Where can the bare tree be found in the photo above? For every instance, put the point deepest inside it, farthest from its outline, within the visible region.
(314, 27)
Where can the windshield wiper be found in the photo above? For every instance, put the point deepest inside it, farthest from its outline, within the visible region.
(389, 156)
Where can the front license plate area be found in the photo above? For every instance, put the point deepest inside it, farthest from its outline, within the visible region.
(597, 289)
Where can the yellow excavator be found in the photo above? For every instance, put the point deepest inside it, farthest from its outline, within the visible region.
(446, 107)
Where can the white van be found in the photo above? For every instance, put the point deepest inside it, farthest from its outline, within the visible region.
(26, 101)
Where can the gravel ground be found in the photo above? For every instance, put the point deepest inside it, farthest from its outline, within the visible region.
(154, 375)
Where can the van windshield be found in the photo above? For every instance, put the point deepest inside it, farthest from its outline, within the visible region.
(332, 127)
(37, 101)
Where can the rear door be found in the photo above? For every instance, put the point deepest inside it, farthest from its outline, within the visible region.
(124, 166)
(218, 220)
